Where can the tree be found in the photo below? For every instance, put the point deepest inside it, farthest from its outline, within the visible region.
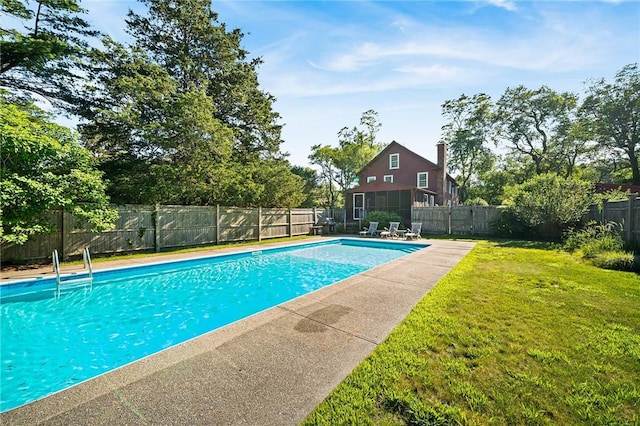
(179, 114)
(312, 189)
(322, 156)
(44, 167)
(339, 166)
(186, 39)
(45, 58)
(536, 125)
(156, 142)
(549, 204)
(613, 111)
(467, 135)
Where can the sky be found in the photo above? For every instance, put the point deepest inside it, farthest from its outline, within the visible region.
(327, 62)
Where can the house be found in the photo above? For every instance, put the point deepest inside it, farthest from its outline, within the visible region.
(398, 179)
(602, 188)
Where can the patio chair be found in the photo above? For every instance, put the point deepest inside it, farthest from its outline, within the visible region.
(392, 232)
(371, 231)
(416, 228)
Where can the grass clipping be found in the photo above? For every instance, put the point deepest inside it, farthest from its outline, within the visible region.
(511, 336)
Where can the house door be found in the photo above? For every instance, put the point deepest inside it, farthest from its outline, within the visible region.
(358, 206)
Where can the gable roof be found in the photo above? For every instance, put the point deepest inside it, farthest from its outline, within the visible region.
(393, 145)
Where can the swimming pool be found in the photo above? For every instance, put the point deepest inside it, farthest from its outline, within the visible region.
(50, 344)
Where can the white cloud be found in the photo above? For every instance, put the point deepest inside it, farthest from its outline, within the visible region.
(504, 4)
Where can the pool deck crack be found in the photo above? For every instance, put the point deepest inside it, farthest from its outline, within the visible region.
(357, 336)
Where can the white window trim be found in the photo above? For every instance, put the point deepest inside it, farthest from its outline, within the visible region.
(358, 211)
(426, 179)
(371, 179)
(397, 157)
(390, 180)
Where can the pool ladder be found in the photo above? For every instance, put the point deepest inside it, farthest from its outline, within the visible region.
(74, 283)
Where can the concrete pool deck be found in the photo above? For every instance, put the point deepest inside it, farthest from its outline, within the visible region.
(272, 368)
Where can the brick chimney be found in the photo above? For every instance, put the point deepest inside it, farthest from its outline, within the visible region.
(442, 177)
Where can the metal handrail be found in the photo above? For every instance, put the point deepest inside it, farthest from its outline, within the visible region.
(86, 259)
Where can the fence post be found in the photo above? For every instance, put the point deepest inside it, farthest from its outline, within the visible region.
(290, 223)
(629, 219)
(259, 223)
(63, 233)
(156, 225)
(473, 220)
(217, 223)
(449, 224)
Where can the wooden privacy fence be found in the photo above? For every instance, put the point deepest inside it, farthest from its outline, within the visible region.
(624, 213)
(159, 227)
(464, 220)
(477, 220)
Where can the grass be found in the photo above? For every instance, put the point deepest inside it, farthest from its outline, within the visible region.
(514, 335)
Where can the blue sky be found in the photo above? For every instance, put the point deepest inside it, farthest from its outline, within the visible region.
(327, 62)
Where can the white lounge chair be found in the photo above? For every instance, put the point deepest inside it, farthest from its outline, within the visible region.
(371, 231)
(392, 232)
(416, 228)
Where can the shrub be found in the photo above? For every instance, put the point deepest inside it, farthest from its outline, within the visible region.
(617, 260)
(477, 201)
(382, 217)
(507, 225)
(549, 204)
(603, 246)
(594, 238)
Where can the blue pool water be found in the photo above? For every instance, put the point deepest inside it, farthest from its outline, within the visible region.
(49, 344)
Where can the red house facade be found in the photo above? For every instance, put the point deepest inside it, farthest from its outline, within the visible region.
(398, 179)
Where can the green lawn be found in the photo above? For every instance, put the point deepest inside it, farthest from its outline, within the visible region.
(512, 335)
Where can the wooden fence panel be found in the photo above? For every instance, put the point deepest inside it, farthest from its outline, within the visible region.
(133, 231)
(483, 217)
(465, 220)
(237, 224)
(302, 220)
(461, 220)
(434, 220)
(274, 223)
(38, 247)
(625, 213)
(186, 226)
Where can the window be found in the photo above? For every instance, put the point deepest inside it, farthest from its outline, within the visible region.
(371, 179)
(394, 161)
(358, 206)
(388, 178)
(423, 180)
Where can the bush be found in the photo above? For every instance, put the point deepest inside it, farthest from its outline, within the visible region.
(594, 238)
(603, 246)
(507, 225)
(382, 217)
(616, 260)
(476, 202)
(549, 204)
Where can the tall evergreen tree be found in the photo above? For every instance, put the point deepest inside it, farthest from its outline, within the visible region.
(43, 55)
(177, 116)
(185, 38)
